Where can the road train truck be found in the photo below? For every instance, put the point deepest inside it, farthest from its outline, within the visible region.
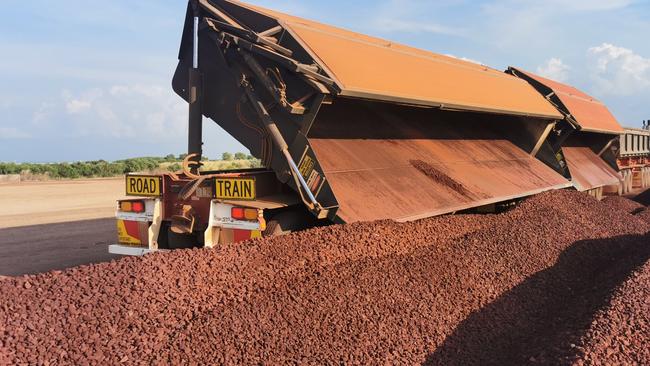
(347, 127)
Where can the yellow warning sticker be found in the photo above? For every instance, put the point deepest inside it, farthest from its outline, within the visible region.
(306, 166)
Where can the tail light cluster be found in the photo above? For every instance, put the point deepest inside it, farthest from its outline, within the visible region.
(241, 213)
(132, 206)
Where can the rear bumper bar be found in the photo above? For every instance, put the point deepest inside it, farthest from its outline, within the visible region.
(131, 250)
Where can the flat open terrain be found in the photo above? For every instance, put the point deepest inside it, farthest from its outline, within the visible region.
(56, 224)
(35, 203)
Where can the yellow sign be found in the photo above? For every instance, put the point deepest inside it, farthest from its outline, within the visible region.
(235, 188)
(126, 237)
(306, 166)
(143, 185)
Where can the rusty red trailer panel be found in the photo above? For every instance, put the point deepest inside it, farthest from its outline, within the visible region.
(397, 166)
(411, 179)
(588, 170)
(590, 114)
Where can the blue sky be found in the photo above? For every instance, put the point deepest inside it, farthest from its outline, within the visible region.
(84, 80)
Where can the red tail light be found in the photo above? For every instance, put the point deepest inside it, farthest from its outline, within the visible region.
(132, 206)
(137, 206)
(237, 213)
(241, 213)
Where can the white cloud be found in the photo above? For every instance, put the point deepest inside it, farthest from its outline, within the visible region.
(11, 133)
(560, 6)
(6, 103)
(75, 106)
(151, 91)
(43, 112)
(297, 8)
(88, 64)
(81, 103)
(511, 24)
(118, 111)
(554, 69)
(396, 25)
(588, 5)
(465, 59)
(618, 70)
(407, 16)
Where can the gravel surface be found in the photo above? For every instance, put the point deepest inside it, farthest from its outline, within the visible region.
(617, 203)
(620, 333)
(519, 287)
(643, 197)
(644, 215)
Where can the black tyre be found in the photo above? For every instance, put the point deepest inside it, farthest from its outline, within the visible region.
(287, 222)
(180, 241)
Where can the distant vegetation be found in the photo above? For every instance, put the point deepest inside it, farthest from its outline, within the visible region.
(102, 168)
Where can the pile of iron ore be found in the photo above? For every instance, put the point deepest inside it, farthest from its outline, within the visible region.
(617, 203)
(643, 198)
(546, 282)
(620, 332)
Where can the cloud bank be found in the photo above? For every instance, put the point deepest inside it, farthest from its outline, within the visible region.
(554, 69)
(618, 70)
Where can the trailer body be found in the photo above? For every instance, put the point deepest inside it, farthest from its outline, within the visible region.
(633, 159)
(384, 100)
(170, 211)
(348, 127)
(587, 138)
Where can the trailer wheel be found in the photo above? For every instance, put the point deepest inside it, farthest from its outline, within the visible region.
(163, 236)
(287, 222)
(179, 241)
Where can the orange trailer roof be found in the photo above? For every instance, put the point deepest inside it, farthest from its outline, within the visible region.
(591, 114)
(372, 68)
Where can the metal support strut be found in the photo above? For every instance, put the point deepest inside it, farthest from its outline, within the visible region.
(273, 87)
(195, 117)
(279, 141)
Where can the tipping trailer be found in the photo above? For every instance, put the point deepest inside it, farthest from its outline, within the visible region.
(348, 127)
(633, 158)
(585, 142)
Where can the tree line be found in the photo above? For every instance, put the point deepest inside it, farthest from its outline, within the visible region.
(102, 168)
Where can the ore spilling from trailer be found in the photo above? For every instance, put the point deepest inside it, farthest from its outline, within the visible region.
(348, 128)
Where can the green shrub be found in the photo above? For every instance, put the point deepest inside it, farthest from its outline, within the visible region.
(174, 167)
(255, 163)
(102, 168)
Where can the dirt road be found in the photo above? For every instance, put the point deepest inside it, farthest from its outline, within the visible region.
(35, 203)
(56, 224)
(41, 248)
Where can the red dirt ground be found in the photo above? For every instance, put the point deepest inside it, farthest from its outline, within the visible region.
(525, 286)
